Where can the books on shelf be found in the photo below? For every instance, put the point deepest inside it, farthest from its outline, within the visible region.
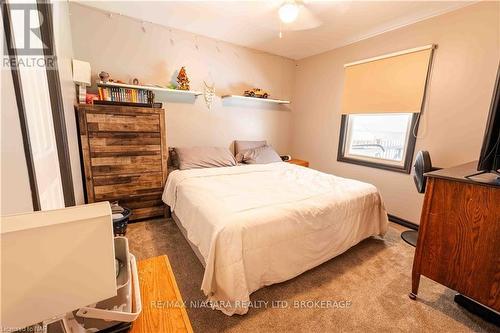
(144, 105)
(128, 95)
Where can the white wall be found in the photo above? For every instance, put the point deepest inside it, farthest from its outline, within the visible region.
(119, 46)
(452, 127)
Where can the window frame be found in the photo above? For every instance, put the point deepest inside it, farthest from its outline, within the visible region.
(410, 148)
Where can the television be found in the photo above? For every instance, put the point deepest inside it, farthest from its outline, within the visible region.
(489, 160)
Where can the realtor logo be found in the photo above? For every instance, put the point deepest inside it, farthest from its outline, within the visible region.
(26, 25)
(27, 21)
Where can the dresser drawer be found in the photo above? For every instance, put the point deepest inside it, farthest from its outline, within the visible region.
(141, 213)
(116, 187)
(143, 201)
(107, 122)
(124, 138)
(123, 165)
(144, 205)
(124, 144)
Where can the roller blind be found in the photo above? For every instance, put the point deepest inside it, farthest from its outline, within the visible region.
(394, 83)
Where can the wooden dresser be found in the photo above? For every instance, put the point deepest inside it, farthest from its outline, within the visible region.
(124, 156)
(459, 236)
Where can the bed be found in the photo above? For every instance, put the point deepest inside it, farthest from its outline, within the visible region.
(256, 225)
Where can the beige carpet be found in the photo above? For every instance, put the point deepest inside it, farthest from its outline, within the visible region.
(374, 276)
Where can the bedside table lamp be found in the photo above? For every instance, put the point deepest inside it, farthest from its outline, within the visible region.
(81, 76)
(54, 262)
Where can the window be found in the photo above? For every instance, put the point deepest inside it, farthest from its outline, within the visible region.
(382, 100)
(380, 140)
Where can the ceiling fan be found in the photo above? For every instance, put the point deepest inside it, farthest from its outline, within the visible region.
(295, 15)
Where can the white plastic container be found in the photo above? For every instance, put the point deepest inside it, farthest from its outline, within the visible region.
(125, 307)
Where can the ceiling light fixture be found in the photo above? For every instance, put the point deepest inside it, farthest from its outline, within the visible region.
(288, 12)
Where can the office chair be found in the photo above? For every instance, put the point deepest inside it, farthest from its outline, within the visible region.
(422, 165)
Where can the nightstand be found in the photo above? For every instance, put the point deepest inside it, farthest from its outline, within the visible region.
(299, 162)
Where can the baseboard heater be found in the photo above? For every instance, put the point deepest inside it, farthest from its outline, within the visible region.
(403, 222)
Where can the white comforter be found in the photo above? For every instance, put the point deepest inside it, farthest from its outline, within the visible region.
(256, 225)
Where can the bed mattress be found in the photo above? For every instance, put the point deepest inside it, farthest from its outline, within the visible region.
(256, 225)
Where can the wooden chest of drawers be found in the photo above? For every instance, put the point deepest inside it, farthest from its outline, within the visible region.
(459, 236)
(124, 156)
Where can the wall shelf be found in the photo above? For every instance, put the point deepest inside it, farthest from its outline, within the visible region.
(161, 90)
(255, 99)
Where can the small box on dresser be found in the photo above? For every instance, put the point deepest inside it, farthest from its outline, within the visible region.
(124, 156)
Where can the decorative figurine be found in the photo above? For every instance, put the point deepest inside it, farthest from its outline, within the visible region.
(135, 81)
(256, 92)
(208, 94)
(183, 80)
(104, 77)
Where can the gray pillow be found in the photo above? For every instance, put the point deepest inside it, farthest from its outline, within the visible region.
(260, 155)
(240, 146)
(204, 157)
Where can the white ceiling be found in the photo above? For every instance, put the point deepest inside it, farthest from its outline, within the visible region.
(255, 24)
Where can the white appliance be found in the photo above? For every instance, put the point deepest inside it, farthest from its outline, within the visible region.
(57, 262)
